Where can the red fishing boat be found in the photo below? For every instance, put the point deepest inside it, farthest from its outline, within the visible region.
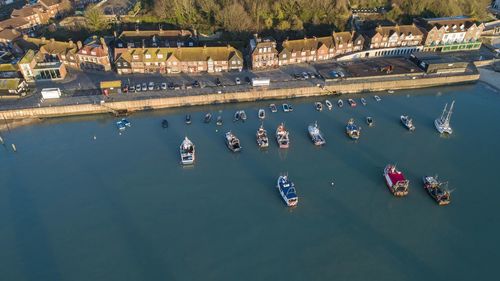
(396, 181)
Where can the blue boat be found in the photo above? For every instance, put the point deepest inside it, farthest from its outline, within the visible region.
(126, 122)
(352, 130)
(287, 191)
(120, 125)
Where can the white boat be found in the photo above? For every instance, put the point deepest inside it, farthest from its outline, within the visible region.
(236, 116)
(286, 108)
(329, 105)
(318, 105)
(363, 101)
(187, 152)
(340, 103)
(287, 191)
(243, 115)
(219, 121)
(407, 122)
(352, 130)
(443, 123)
(262, 139)
(232, 142)
(369, 121)
(273, 107)
(262, 114)
(390, 92)
(315, 134)
(377, 98)
(282, 136)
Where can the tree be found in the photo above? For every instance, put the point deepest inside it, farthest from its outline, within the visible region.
(234, 18)
(95, 19)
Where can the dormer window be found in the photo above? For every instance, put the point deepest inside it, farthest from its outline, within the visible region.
(160, 56)
(84, 52)
(148, 56)
(135, 57)
(120, 45)
(93, 53)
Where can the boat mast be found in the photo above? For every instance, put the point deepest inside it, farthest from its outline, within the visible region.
(444, 111)
(449, 112)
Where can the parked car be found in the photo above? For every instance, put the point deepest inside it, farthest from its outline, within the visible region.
(218, 82)
(171, 86)
(125, 88)
(132, 88)
(144, 86)
(237, 81)
(151, 86)
(297, 76)
(196, 84)
(311, 75)
(138, 87)
(305, 75)
(157, 87)
(163, 86)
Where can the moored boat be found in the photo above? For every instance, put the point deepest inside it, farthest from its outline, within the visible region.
(352, 130)
(287, 191)
(208, 117)
(340, 103)
(369, 121)
(282, 136)
(273, 107)
(286, 108)
(219, 121)
(290, 107)
(187, 152)
(121, 126)
(164, 123)
(329, 105)
(126, 123)
(443, 123)
(232, 142)
(236, 116)
(363, 101)
(377, 98)
(188, 119)
(352, 103)
(396, 182)
(318, 105)
(243, 115)
(315, 134)
(407, 122)
(437, 190)
(262, 113)
(262, 139)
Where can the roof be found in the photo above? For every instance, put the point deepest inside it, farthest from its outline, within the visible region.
(342, 37)
(94, 44)
(9, 34)
(28, 57)
(49, 2)
(47, 46)
(26, 11)
(160, 33)
(9, 83)
(182, 54)
(8, 67)
(429, 23)
(111, 84)
(307, 44)
(13, 23)
(387, 31)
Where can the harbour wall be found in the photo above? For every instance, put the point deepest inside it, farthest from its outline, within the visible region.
(339, 87)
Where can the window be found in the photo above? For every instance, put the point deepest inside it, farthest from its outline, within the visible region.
(135, 57)
(118, 64)
(233, 62)
(303, 53)
(284, 56)
(93, 53)
(313, 52)
(125, 64)
(84, 52)
(148, 56)
(160, 56)
(174, 63)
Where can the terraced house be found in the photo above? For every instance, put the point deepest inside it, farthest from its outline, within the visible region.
(263, 53)
(393, 40)
(94, 55)
(177, 60)
(451, 33)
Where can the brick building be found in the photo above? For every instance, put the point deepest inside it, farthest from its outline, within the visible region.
(155, 38)
(94, 55)
(393, 37)
(263, 53)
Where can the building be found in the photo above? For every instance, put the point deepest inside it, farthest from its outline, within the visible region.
(34, 14)
(7, 38)
(176, 60)
(155, 38)
(263, 53)
(9, 70)
(19, 24)
(393, 37)
(37, 66)
(64, 51)
(450, 34)
(347, 42)
(432, 62)
(13, 87)
(52, 7)
(94, 55)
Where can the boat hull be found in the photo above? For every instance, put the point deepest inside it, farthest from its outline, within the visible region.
(442, 129)
(394, 184)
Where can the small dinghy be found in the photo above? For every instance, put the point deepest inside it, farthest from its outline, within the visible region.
(126, 123)
(273, 107)
(120, 126)
(407, 122)
(236, 116)
(262, 114)
(352, 103)
(319, 106)
(329, 105)
(219, 121)
(290, 108)
(363, 101)
(369, 121)
(208, 118)
(377, 98)
(243, 115)
(164, 123)
(188, 119)
(286, 108)
(340, 103)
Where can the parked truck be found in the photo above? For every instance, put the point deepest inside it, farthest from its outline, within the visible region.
(51, 93)
(259, 82)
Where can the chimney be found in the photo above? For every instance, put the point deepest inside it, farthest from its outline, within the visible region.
(115, 34)
(71, 44)
(52, 40)
(104, 45)
(315, 39)
(228, 47)
(79, 44)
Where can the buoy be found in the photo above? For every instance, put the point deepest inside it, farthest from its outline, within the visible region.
(14, 147)
(332, 183)
(120, 134)
(216, 130)
(1, 140)
(95, 137)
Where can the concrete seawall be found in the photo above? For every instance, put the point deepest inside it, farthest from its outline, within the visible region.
(346, 86)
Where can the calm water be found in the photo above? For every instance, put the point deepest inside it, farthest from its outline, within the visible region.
(120, 207)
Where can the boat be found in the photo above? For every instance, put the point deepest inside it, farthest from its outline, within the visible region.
(126, 123)
(282, 136)
(329, 105)
(290, 107)
(408, 122)
(243, 115)
(232, 142)
(318, 105)
(188, 119)
(369, 121)
(120, 126)
(273, 107)
(219, 121)
(315, 134)
(443, 123)
(262, 114)
(352, 130)
(236, 116)
(208, 117)
(287, 191)
(340, 103)
(187, 152)
(390, 92)
(286, 108)
(363, 101)
(437, 190)
(377, 98)
(164, 123)
(262, 139)
(396, 181)
(352, 103)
